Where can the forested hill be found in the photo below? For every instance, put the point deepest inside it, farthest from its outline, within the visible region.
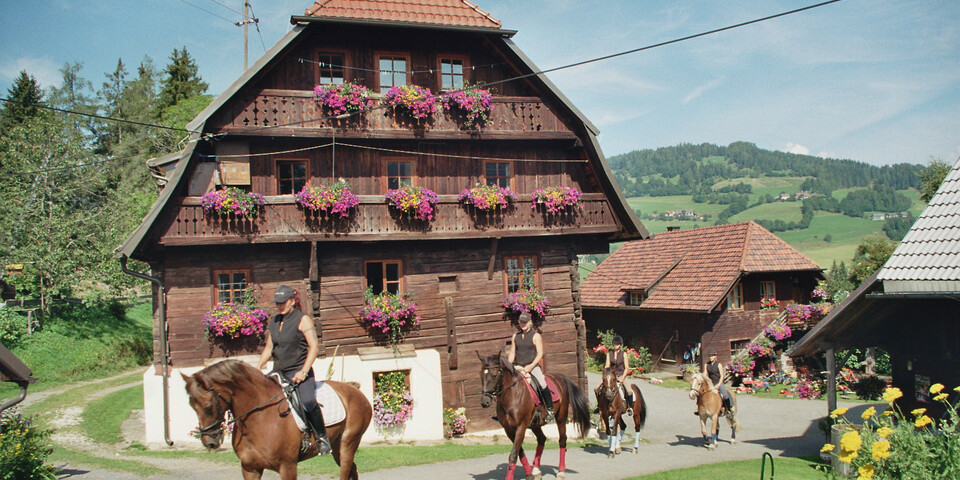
(688, 169)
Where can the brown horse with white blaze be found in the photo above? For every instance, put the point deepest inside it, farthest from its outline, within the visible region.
(265, 435)
(516, 411)
(612, 407)
(710, 407)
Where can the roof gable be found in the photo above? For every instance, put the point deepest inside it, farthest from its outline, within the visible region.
(695, 268)
(459, 13)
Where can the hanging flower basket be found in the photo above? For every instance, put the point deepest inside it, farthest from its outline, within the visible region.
(767, 303)
(474, 104)
(335, 199)
(488, 197)
(526, 300)
(392, 401)
(232, 200)
(415, 101)
(557, 199)
(777, 332)
(343, 98)
(389, 315)
(761, 348)
(741, 366)
(232, 321)
(415, 201)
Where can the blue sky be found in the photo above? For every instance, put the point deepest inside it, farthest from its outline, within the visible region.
(866, 80)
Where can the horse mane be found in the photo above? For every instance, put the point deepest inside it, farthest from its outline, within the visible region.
(706, 380)
(232, 373)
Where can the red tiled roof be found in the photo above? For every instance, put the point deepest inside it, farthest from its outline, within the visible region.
(459, 13)
(697, 266)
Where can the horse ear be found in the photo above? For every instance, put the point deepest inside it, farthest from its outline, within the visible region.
(186, 379)
(202, 381)
(479, 356)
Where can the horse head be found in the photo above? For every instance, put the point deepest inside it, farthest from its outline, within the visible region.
(609, 384)
(210, 405)
(696, 385)
(491, 377)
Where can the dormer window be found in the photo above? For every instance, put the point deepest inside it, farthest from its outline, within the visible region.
(635, 297)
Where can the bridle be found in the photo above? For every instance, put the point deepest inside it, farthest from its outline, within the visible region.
(498, 389)
(609, 392)
(215, 429)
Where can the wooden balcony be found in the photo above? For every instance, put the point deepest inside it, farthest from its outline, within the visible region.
(282, 220)
(295, 113)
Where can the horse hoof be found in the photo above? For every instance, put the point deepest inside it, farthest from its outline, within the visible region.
(561, 475)
(636, 451)
(711, 447)
(611, 454)
(617, 451)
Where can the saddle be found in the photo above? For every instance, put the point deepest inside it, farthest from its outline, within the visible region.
(327, 399)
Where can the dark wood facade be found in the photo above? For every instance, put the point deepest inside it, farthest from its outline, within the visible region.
(452, 266)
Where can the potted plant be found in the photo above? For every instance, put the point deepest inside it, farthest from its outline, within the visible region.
(232, 200)
(768, 303)
(557, 199)
(688, 370)
(343, 98)
(454, 422)
(415, 201)
(488, 197)
(472, 103)
(777, 331)
(413, 100)
(388, 314)
(234, 320)
(526, 299)
(392, 401)
(335, 199)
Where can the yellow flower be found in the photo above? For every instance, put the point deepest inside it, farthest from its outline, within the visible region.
(827, 447)
(891, 394)
(922, 421)
(846, 456)
(880, 450)
(957, 388)
(866, 472)
(941, 397)
(884, 432)
(935, 388)
(868, 413)
(918, 411)
(887, 413)
(850, 441)
(836, 413)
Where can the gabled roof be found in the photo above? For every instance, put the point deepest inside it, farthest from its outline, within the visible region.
(928, 258)
(690, 269)
(442, 12)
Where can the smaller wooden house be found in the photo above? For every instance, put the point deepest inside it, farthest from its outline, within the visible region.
(685, 292)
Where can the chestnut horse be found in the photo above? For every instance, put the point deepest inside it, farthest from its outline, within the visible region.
(516, 411)
(265, 435)
(710, 407)
(612, 407)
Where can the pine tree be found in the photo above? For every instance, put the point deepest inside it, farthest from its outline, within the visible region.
(24, 96)
(110, 94)
(76, 95)
(181, 80)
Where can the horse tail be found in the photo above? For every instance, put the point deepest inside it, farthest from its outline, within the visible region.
(579, 405)
(643, 406)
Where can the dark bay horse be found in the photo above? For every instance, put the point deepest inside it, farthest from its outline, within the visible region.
(710, 407)
(516, 411)
(612, 408)
(265, 435)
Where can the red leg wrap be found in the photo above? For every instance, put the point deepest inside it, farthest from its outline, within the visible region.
(563, 460)
(536, 458)
(510, 468)
(526, 465)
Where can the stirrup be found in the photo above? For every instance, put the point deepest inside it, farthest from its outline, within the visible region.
(323, 445)
(550, 416)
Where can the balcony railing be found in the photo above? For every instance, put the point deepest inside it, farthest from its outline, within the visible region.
(271, 112)
(282, 220)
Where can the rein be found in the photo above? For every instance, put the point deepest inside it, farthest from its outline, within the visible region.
(216, 428)
(496, 392)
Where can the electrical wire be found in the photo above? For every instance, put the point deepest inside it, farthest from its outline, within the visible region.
(371, 70)
(208, 11)
(93, 115)
(256, 23)
(228, 7)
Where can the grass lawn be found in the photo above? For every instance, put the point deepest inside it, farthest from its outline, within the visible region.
(785, 468)
(102, 417)
(786, 211)
(845, 232)
(77, 458)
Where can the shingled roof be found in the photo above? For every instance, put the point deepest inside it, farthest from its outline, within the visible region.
(441, 12)
(690, 269)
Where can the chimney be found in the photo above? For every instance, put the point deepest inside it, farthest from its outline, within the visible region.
(673, 228)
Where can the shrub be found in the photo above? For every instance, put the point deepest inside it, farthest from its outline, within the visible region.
(869, 388)
(24, 449)
(13, 328)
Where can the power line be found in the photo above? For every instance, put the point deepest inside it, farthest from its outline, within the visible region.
(93, 115)
(371, 70)
(208, 11)
(256, 23)
(227, 7)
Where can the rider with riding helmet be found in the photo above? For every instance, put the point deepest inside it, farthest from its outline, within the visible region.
(718, 375)
(525, 354)
(617, 360)
(292, 343)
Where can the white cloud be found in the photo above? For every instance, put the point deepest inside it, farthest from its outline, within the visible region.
(43, 69)
(699, 90)
(797, 148)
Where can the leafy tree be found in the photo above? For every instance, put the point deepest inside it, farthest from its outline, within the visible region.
(870, 255)
(181, 80)
(110, 95)
(76, 95)
(897, 227)
(25, 95)
(931, 178)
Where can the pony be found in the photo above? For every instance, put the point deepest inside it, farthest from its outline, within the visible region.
(612, 408)
(516, 411)
(710, 407)
(265, 435)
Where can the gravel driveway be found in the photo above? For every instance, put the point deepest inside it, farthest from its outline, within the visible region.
(670, 440)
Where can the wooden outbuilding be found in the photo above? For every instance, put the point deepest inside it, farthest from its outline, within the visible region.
(267, 134)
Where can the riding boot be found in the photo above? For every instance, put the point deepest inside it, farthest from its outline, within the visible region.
(548, 402)
(315, 417)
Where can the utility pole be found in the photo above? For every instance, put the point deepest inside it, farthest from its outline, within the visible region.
(246, 8)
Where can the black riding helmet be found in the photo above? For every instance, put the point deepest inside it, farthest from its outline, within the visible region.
(618, 340)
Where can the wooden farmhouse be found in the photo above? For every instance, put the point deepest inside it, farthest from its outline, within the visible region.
(267, 134)
(908, 308)
(685, 289)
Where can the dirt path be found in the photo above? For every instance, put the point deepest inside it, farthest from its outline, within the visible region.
(670, 440)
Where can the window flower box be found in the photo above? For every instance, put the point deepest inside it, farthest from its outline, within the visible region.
(768, 303)
(488, 197)
(232, 200)
(473, 104)
(335, 199)
(527, 300)
(415, 101)
(389, 315)
(343, 98)
(415, 201)
(557, 199)
(233, 321)
(392, 401)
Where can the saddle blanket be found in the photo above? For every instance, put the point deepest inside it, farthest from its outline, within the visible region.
(330, 405)
(554, 392)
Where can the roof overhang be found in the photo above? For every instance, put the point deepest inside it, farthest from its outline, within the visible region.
(845, 324)
(303, 19)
